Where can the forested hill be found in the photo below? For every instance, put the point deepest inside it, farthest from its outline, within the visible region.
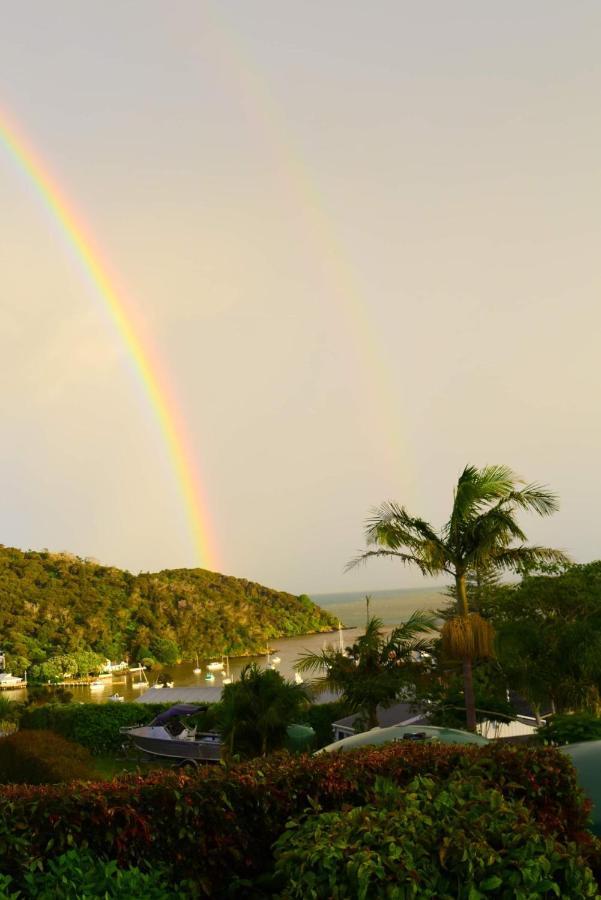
(54, 604)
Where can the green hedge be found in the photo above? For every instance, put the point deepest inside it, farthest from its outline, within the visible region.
(226, 821)
(93, 725)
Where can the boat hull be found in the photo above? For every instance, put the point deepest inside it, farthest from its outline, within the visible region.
(205, 748)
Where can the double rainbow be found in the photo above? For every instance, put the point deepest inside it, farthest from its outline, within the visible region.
(150, 371)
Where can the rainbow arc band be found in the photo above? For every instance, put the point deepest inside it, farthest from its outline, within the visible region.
(150, 371)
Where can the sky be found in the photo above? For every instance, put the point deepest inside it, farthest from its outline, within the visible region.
(364, 238)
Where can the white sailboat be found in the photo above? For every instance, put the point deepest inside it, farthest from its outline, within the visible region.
(143, 680)
(197, 670)
(227, 678)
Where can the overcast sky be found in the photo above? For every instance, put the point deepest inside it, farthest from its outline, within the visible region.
(365, 237)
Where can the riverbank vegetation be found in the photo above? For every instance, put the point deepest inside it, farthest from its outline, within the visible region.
(62, 614)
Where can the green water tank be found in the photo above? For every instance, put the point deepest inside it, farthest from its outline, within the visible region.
(404, 733)
(299, 738)
(586, 757)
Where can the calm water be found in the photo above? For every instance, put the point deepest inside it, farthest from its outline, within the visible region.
(392, 607)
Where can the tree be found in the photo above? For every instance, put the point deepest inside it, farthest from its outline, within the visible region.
(376, 668)
(549, 638)
(256, 710)
(482, 531)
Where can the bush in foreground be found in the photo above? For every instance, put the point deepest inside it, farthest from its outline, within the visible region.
(220, 821)
(430, 840)
(42, 757)
(78, 874)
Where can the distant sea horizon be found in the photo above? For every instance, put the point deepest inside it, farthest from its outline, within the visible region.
(392, 606)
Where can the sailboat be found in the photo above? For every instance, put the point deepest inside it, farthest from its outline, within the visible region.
(298, 678)
(340, 641)
(227, 678)
(197, 670)
(143, 682)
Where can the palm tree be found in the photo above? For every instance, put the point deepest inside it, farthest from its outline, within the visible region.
(256, 710)
(482, 531)
(374, 670)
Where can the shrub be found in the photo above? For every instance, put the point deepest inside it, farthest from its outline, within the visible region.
(222, 820)
(570, 729)
(78, 874)
(41, 757)
(429, 840)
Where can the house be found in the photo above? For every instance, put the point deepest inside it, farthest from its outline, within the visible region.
(398, 714)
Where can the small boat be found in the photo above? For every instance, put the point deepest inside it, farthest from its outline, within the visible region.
(215, 666)
(209, 676)
(197, 670)
(276, 660)
(97, 685)
(298, 678)
(116, 698)
(168, 737)
(169, 684)
(143, 680)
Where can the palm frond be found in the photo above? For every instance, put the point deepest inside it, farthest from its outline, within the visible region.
(527, 559)
(425, 566)
(535, 498)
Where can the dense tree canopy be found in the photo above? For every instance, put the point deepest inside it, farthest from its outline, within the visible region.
(60, 605)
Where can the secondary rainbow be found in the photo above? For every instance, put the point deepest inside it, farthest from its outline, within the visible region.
(149, 369)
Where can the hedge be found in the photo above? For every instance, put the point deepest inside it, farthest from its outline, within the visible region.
(220, 820)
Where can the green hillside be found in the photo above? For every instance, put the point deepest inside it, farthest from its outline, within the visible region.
(53, 604)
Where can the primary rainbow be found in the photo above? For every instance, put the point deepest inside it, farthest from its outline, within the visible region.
(148, 367)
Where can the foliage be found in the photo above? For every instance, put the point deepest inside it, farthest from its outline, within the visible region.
(431, 840)
(41, 757)
(58, 605)
(571, 729)
(549, 637)
(78, 663)
(255, 711)
(481, 533)
(78, 875)
(226, 820)
(93, 725)
(321, 717)
(376, 668)
(444, 696)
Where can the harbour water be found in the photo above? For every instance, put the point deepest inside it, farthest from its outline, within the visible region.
(393, 607)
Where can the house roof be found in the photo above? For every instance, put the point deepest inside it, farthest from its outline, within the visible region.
(391, 715)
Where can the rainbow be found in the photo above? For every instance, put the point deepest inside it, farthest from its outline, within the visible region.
(146, 363)
(246, 81)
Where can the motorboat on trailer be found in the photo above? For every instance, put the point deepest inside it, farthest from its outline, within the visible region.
(168, 737)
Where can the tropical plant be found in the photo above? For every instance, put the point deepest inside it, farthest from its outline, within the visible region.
(482, 530)
(256, 710)
(570, 729)
(376, 668)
